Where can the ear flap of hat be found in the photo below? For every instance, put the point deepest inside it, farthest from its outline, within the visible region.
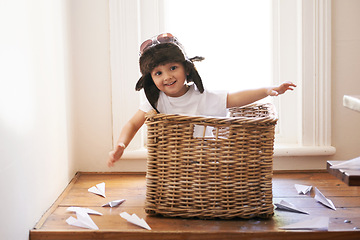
(194, 75)
(140, 83)
(150, 89)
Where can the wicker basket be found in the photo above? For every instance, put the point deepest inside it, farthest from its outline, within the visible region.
(226, 175)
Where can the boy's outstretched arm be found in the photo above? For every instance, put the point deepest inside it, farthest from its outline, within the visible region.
(245, 97)
(126, 135)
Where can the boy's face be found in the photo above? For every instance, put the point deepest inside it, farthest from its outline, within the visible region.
(170, 78)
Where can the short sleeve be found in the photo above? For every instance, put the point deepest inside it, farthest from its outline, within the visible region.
(145, 106)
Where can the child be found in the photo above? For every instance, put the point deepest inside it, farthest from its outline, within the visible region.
(166, 74)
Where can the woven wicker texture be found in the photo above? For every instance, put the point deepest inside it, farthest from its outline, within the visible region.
(226, 175)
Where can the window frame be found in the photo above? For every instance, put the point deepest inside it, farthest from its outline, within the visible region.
(132, 21)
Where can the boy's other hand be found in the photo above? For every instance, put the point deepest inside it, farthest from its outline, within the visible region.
(282, 88)
(116, 154)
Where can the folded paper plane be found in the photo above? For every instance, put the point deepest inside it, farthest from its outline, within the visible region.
(284, 205)
(98, 189)
(80, 209)
(318, 223)
(350, 164)
(302, 189)
(82, 220)
(134, 219)
(114, 203)
(322, 199)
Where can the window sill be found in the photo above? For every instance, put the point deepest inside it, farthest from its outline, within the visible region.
(135, 154)
(284, 150)
(281, 150)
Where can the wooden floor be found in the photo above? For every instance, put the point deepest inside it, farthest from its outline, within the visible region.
(132, 188)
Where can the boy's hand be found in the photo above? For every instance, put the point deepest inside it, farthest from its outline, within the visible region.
(281, 89)
(116, 154)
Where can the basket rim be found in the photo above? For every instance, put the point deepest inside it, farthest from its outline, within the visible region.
(270, 118)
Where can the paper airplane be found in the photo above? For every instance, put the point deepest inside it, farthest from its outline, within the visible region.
(134, 219)
(302, 189)
(322, 199)
(99, 189)
(284, 205)
(86, 210)
(83, 220)
(114, 203)
(350, 164)
(318, 223)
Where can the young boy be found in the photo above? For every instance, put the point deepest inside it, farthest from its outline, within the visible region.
(166, 74)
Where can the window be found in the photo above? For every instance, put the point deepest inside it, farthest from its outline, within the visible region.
(234, 50)
(300, 53)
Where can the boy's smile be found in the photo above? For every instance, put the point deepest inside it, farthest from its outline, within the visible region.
(170, 78)
(171, 83)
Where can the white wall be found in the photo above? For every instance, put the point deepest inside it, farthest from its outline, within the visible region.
(345, 76)
(35, 156)
(91, 86)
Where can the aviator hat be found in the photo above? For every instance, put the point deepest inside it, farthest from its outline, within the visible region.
(160, 53)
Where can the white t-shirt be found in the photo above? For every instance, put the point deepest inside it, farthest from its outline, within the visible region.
(191, 103)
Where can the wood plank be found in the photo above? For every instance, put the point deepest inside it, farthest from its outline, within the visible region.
(114, 222)
(161, 235)
(337, 191)
(129, 187)
(350, 177)
(133, 187)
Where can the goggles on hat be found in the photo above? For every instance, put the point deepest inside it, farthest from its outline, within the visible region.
(161, 38)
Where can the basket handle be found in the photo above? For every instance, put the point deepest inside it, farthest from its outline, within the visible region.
(206, 131)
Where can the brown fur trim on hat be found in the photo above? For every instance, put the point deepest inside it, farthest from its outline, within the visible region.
(160, 55)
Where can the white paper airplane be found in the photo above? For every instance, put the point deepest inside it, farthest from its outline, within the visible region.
(322, 199)
(134, 219)
(99, 189)
(350, 164)
(83, 220)
(284, 205)
(114, 203)
(318, 223)
(86, 210)
(302, 189)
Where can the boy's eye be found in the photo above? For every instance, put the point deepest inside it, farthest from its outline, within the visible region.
(173, 68)
(157, 73)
